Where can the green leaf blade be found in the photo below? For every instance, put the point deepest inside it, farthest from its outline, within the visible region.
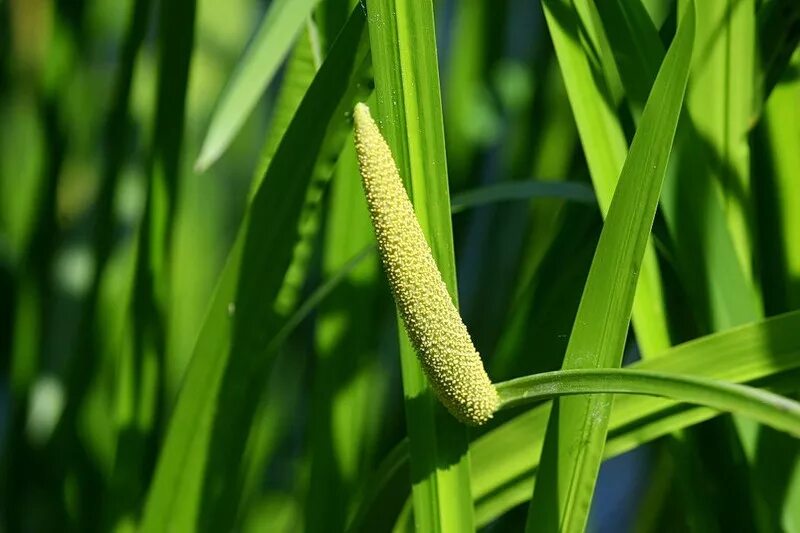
(403, 46)
(203, 448)
(604, 145)
(760, 405)
(271, 44)
(506, 459)
(563, 492)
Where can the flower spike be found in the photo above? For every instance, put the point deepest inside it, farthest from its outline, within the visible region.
(443, 345)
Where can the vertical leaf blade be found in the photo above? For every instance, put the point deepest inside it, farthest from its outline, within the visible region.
(403, 47)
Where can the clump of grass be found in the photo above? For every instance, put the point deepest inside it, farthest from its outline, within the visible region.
(443, 344)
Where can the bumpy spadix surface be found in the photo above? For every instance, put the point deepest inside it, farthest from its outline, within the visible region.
(448, 357)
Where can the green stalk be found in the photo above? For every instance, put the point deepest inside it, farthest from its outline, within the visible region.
(760, 405)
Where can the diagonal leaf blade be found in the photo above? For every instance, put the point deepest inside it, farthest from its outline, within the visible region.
(604, 145)
(271, 44)
(563, 491)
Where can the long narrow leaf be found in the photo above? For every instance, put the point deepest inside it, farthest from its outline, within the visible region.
(720, 105)
(563, 492)
(409, 110)
(626, 434)
(203, 449)
(604, 145)
(348, 378)
(692, 201)
(523, 190)
(270, 45)
(762, 406)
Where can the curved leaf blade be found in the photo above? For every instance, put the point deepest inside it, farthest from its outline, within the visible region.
(523, 190)
(505, 459)
(403, 45)
(760, 405)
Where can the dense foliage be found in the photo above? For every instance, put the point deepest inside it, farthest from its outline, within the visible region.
(197, 332)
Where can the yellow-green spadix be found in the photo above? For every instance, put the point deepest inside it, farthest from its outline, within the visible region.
(446, 353)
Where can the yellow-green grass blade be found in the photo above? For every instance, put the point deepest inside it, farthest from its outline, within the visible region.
(348, 378)
(203, 447)
(783, 132)
(778, 36)
(563, 491)
(767, 348)
(501, 481)
(762, 406)
(301, 66)
(715, 282)
(403, 44)
(719, 101)
(702, 228)
(255, 70)
(621, 439)
(605, 147)
(775, 469)
(506, 457)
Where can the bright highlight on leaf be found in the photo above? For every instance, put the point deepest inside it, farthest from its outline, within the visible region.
(448, 357)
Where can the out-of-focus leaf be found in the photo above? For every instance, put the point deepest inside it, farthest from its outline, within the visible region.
(349, 377)
(202, 452)
(264, 55)
(523, 190)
